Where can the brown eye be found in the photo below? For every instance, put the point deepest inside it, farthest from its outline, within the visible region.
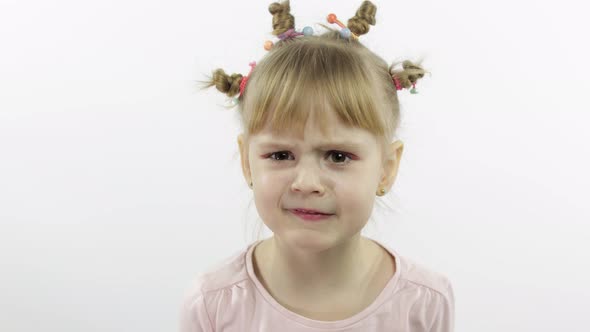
(339, 157)
(281, 155)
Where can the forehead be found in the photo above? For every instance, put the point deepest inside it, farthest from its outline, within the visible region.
(333, 132)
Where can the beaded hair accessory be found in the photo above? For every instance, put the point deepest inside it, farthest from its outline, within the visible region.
(290, 33)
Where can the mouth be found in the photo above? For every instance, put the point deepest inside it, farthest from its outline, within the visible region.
(310, 215)
(305, 211)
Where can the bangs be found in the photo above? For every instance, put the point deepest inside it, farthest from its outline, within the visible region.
(312, 74)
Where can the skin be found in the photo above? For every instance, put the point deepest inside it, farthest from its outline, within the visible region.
(311, 266)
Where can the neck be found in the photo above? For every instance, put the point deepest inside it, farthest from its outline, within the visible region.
(305, 272)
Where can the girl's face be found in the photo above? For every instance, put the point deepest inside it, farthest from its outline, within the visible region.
(337, 174)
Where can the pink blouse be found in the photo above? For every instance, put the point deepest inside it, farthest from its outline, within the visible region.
(230, 298)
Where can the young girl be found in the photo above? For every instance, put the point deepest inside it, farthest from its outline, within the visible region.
(319, 113)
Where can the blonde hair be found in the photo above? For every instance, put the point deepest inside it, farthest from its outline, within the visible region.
(302, 75)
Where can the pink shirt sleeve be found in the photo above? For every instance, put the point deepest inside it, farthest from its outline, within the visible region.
(193, 314)
(443, 312)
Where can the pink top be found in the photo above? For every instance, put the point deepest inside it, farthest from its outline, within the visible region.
(230, 298)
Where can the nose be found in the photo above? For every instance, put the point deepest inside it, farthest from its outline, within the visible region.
(307, 179)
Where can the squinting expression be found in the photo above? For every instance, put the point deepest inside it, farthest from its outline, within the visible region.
(336, 175)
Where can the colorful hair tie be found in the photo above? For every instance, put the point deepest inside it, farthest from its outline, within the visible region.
(245, 78)
(344, 32)
(398, 85)
(289, 34)
(308, 31)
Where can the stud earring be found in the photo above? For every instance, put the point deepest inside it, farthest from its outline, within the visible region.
(382, 192)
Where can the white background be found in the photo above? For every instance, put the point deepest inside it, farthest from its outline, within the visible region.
(120, 181)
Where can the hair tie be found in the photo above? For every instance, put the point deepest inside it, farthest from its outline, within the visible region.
(289, 34)
(345, 32)
(245, 78)
(308, 31)
(398, 85)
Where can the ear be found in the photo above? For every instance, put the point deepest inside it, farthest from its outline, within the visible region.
(244, 159)
(393, 155)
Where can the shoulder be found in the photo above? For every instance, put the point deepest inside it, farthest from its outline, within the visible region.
(206, 290)
(429, 293)
(424, 277)
(416, 276)
(224, 274)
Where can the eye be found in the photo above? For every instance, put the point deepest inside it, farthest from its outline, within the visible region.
(339, 157)
(278, 156)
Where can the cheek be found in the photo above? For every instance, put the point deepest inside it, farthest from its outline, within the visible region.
(270, 181)
(269, 188)
(356, 198)
(357, 193)
(361, 182)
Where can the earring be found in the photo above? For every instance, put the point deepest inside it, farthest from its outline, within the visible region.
(381, 192)
(250, 184)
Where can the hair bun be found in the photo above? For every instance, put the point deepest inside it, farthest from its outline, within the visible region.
(282, 20)
(228, 84)
(364, 17)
